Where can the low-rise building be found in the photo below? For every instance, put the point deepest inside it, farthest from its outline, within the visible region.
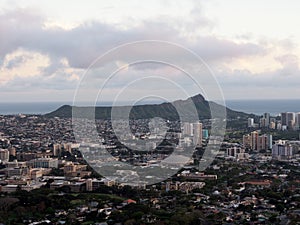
(44, 163)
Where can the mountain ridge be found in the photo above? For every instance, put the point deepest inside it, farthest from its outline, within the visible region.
(163, 110)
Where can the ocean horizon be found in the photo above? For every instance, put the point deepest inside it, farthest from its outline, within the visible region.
(258, 107)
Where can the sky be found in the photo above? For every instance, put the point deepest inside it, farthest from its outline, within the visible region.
(251, 48)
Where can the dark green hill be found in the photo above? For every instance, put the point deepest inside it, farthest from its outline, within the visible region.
(164, 110)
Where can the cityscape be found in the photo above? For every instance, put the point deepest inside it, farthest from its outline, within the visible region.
(161, 112)
(254, 177)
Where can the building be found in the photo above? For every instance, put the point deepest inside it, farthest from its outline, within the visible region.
(33, 185)
(246, 140)
(44, 163)
(250, 122)
(259, 183)
(187, 129)
(17, 171)
(282, 151)
(297, 125)
(254, 140)
(257, 142)
(56, 149)
(12, 151)
(266, 117)
(73, 170)
(288, 120)
(15, 164)
(291, 120)
(237, 153)
(26, 156)
(4, 155)
(205, 134)
(197, 176)
(94, 184)
(233, 151)
(38, 172)
(284, 119)
(68, 147)
(197, 134)
(272, 125)
(183, 186)
(242, 156)
(262, 142)
(270, 140)
(9, 188)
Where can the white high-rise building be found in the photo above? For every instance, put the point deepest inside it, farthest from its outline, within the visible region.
(250, 122)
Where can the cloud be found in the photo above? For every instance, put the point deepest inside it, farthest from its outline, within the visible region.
(82, 44)
(16, 62)
(70, 51)
(287, 76)
(288, 60)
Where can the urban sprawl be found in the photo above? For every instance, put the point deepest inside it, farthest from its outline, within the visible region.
(254, 178)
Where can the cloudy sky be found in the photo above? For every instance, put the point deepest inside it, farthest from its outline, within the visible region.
(251, 47)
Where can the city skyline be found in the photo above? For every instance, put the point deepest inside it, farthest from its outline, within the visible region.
(160, 112)
(46, 47)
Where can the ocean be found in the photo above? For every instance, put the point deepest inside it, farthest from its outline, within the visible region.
(258, 107)
(274, 107)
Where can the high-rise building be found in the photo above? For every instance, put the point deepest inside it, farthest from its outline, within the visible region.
(4, 155)
(188, 129)
(291, 120)
(270, 141)
(250, 122)
(263, 143)
(254, 140)
(266, 116)
(246, 141)
(284, 119)
(288, 120)
(258, 142)
(197, 133)
(282, 151)
(297, 121)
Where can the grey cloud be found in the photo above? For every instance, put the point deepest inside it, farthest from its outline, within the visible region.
(88, 41)
(213, 48)
(16, 27)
